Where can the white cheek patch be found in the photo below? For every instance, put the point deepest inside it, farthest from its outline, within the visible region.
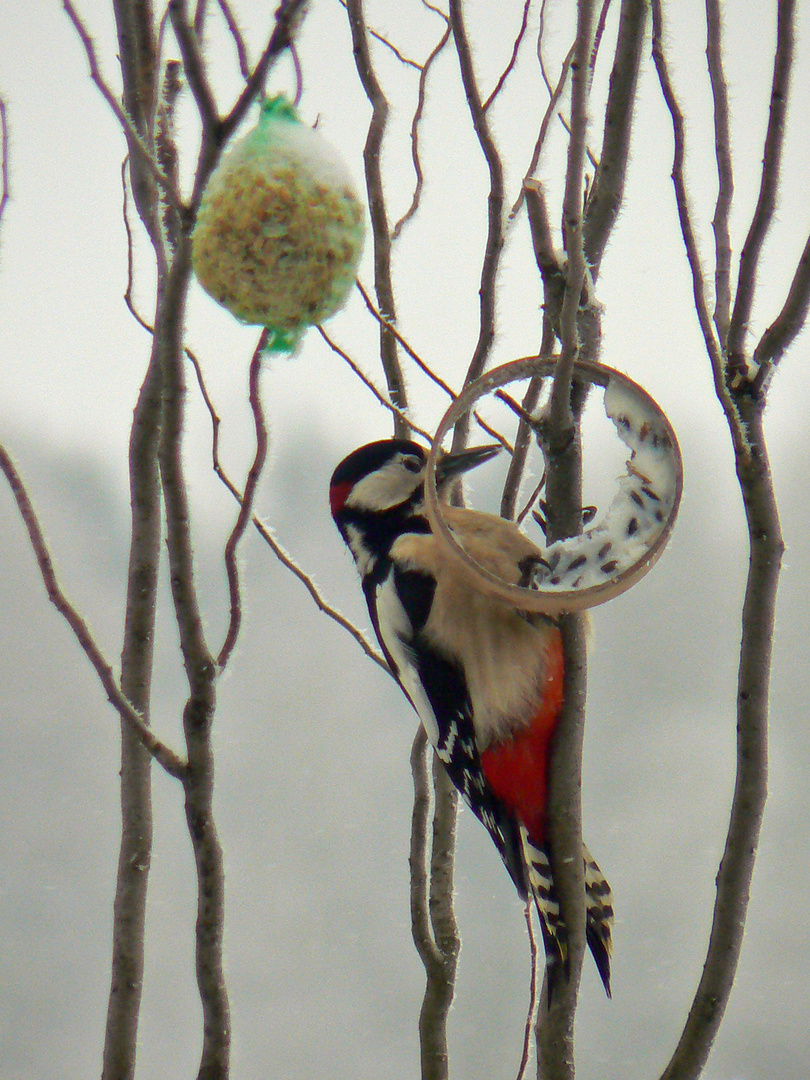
(396, 630)
(386, 487)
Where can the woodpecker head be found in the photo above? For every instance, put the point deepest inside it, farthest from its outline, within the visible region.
(379, 488)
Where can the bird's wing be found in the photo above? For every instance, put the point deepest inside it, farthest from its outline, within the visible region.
(400, 606)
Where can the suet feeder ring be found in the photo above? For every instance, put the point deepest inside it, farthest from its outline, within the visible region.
(616, 551)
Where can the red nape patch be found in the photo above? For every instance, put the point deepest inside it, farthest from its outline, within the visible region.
(338, 494)
(517, 769)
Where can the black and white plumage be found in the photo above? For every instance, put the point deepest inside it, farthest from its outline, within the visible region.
(485, 679)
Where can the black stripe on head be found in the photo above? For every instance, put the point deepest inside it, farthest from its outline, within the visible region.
(367, 459)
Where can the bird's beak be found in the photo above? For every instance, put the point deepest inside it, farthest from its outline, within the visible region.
(449, 466)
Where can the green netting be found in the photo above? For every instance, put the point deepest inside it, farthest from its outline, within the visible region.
(279, 231)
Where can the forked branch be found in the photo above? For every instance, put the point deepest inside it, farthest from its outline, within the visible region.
(766, 202)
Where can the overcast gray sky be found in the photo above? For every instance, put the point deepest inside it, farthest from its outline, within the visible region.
(313, 741)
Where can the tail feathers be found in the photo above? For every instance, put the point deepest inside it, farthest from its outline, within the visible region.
(598, 914)
(598, 917)
(555, 932)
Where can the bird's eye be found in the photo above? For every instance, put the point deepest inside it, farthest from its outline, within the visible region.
(412, 463)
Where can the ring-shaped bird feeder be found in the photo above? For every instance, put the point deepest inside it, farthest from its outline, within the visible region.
(618, 549)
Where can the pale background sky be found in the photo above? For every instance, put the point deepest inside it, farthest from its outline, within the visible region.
(313, 789)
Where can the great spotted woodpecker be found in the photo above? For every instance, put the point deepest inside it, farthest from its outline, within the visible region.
(486, 680)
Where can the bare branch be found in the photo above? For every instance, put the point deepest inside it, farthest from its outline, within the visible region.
(607, 190)
(372, 159)
(137, 654)
(246, 503)
(495, 200)
(420, 918)
(288, 16)
(166, 148)
(194, 65)
(513, 58)
(525, 437)
(560, 403)
(201, 672)
(134, 137)
(790, 320)
(563, 452)
(200, 667)
(433, 925)
(751, 787)
(597, 38)
(238, 39)
(159, 751)
(548, 263)
(725, 172)
(200, 12)
(766, 202)
(417, 116)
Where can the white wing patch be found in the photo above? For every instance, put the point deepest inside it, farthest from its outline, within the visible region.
(396, 631)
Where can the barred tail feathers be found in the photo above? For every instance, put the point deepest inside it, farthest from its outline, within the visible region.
(598, 917)
(598, 913)
(541, 889)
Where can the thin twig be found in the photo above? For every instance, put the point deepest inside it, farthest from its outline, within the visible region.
(378, 394)
(288, 16)
(139, 57)
(381, 235)
(388, 324)
(126, 122)
(415, 122)
(532, 1011)
(427, 369)
(194, 65)
(166, 146)
(555, 94)
(4, 177)
(687, 229)
(299, 74)
(246, 503)
(283, 556)
(159, 751)
(725, 172)
(513, 58)
(548, 263)
(790, 320)
(524, 438)
(766, 201)
(597, 39)
(560, 402)
(238, 39)
(383, 40)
